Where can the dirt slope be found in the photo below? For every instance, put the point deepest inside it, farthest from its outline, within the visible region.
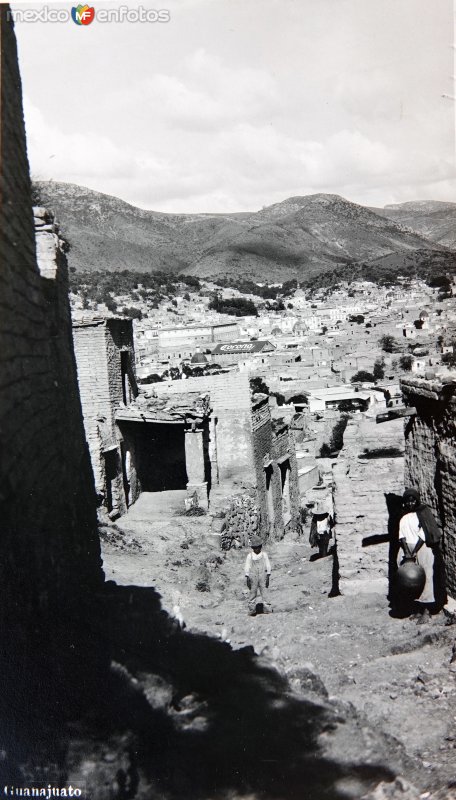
(389, 677)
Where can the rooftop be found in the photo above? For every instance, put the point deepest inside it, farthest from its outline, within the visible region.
(243, 347)
(184, 408)
(93, 318)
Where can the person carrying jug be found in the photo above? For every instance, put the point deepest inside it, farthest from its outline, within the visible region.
(419, 539)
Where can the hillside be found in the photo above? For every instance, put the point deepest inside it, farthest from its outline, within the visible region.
(301, 237)
(432, 219)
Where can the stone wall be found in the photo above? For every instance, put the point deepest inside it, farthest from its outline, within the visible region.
(430, 455)
(49, 548)
(368, 481)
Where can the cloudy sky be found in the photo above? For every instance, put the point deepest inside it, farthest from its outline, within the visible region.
(236, 104)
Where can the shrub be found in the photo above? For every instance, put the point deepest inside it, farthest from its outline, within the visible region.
(379, 369)
(337, 436)
(449, 359)
(257, 385)
(133, 313)
(388, 344)
(280, 398)
(405, 363)
(190, 280)
(235, 306)
(110, 303)
(362, 376)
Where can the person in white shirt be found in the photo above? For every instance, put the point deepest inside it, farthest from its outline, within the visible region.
(257, 572)
(419, 538)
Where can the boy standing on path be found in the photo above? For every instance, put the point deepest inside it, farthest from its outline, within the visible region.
(257, 573)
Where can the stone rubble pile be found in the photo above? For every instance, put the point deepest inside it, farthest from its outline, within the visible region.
(238, 520)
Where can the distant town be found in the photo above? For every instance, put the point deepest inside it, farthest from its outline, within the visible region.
(309, 344)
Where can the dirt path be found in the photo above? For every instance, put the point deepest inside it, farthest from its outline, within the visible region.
(395, 672)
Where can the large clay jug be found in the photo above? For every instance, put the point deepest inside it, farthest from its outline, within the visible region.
(410, 579)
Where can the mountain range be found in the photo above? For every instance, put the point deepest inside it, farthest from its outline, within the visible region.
(300, 237)
(433, 219)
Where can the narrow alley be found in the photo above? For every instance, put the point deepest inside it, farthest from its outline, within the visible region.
(395, 672)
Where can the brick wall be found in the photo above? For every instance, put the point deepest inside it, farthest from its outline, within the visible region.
(49, 548)
(430, 456)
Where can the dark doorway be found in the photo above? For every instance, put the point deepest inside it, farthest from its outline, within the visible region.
(159, 455)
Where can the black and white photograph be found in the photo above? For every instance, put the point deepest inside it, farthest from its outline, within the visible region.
(228, 400)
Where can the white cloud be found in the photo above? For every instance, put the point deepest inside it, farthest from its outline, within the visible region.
(233, 106)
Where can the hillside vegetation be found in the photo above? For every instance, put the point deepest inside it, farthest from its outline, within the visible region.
(301, 238)
(432, 219)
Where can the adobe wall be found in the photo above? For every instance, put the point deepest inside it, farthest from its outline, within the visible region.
(49, 548)
(119, 339)
(93, 380)
(231, 433)
(430, 455)
(270, 448)
(284, 447)
(98, 344)
(368, 484)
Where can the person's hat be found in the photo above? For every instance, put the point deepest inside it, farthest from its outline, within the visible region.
(411, 493)
(255, 541)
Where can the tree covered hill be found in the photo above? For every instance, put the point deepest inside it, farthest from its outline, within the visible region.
(300, 238)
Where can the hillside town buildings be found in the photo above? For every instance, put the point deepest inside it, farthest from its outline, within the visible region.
(331, 353)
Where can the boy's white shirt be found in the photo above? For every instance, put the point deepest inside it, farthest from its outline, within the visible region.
(255, 557)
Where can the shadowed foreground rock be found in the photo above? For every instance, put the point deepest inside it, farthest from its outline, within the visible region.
(182, 715)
